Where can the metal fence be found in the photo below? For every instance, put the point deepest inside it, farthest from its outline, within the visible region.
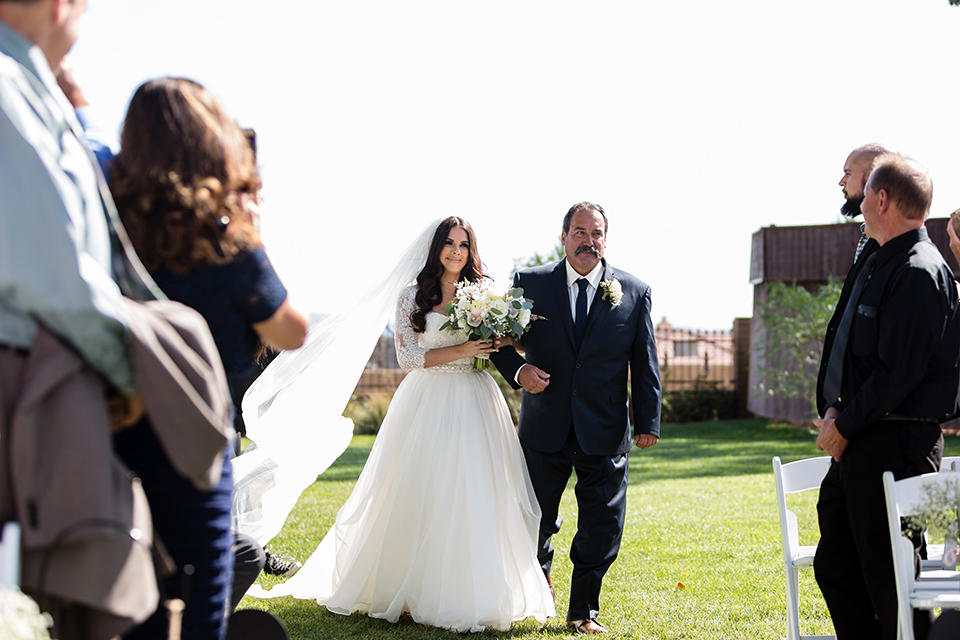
(688, 358)
(692, 357)
(382, 373)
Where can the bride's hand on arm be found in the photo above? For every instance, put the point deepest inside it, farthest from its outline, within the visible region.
(507, 341)
(436, 357)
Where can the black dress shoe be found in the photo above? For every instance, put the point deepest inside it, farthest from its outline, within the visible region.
(590, 625)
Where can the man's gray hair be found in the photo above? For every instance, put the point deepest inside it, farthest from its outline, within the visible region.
(906, 182)
(583, 206)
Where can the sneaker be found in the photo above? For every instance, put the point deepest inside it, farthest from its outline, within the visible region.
(283, 566)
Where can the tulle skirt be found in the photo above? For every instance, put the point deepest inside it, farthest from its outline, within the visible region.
(443, 521)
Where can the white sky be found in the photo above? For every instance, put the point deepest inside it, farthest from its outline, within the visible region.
(693, 123)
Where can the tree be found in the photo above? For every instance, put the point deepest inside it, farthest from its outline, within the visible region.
(794, 322)
(538, 259)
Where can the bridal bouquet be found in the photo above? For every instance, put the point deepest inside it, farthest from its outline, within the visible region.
(20, 617)
(483, 315)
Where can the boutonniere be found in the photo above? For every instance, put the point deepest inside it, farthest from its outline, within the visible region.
(612, 291)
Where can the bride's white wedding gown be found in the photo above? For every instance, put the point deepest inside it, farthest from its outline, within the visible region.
(443, 520)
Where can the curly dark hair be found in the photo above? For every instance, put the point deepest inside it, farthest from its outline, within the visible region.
(429, 293)
(185, 180)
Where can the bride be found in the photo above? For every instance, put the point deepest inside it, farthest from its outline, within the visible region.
(442, 523)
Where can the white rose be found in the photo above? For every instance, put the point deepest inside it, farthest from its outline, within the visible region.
(524, 317)
(475, 314)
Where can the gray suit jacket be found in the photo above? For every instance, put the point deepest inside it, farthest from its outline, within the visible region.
(65, 482)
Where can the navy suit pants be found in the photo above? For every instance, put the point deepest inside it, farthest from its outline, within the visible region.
(601, 492)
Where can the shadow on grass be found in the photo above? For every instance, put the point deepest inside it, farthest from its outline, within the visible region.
(728, 448)
(305, 619)
(720, 448)
(693, 450)
(348, 466)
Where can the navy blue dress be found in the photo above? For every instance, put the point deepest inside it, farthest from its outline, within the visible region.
(231, 298)
(194, 525)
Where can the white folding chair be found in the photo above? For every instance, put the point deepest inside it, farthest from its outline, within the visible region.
(950, 463)
(10, 555)
(795, 477)
(937, 588)
(934, 561)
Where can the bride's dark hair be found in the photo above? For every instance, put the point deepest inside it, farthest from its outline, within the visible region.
(429, 293)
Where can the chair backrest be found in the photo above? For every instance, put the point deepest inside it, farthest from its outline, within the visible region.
(950, 463)
(909, 492)
(801, 475)
(904, 498)
(795, 477)
(10, 555)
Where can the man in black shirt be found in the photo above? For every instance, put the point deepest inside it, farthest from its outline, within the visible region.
(888, 377)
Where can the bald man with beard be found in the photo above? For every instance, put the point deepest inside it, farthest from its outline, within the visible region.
(856, 170)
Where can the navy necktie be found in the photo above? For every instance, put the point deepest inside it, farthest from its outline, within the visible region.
(580, 320)
(834, 375)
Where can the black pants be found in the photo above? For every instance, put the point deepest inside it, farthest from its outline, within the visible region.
(248, 561)
(854, 561)
(601, 492)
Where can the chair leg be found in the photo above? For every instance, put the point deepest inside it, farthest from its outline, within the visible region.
(793, 603)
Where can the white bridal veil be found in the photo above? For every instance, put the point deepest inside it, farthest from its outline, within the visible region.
(293, 411)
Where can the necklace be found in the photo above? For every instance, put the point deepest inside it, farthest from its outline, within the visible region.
(448, 282)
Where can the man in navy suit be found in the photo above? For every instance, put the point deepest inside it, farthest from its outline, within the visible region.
(574, 413)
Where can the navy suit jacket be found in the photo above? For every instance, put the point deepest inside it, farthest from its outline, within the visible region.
(588, 389)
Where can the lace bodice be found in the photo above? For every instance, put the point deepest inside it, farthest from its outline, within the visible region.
(412, 347)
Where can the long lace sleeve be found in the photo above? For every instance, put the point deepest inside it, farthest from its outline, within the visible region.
(410, 354)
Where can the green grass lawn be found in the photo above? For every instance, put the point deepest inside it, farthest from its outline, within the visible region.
(701, 553)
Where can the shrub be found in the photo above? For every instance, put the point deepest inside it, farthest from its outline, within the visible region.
(791, 341)
(703, 402)
(368, 411)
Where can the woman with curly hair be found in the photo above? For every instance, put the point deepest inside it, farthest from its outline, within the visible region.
(186, 186)
(442, 523)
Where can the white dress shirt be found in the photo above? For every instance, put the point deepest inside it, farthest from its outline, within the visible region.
(573, 289)
(593, 283)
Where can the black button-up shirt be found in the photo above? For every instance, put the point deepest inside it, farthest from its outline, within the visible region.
(904, 344)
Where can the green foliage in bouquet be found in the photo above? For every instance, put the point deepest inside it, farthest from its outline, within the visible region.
(480, 314)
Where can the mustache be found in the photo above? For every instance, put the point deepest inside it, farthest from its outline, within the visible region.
(592, 250)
